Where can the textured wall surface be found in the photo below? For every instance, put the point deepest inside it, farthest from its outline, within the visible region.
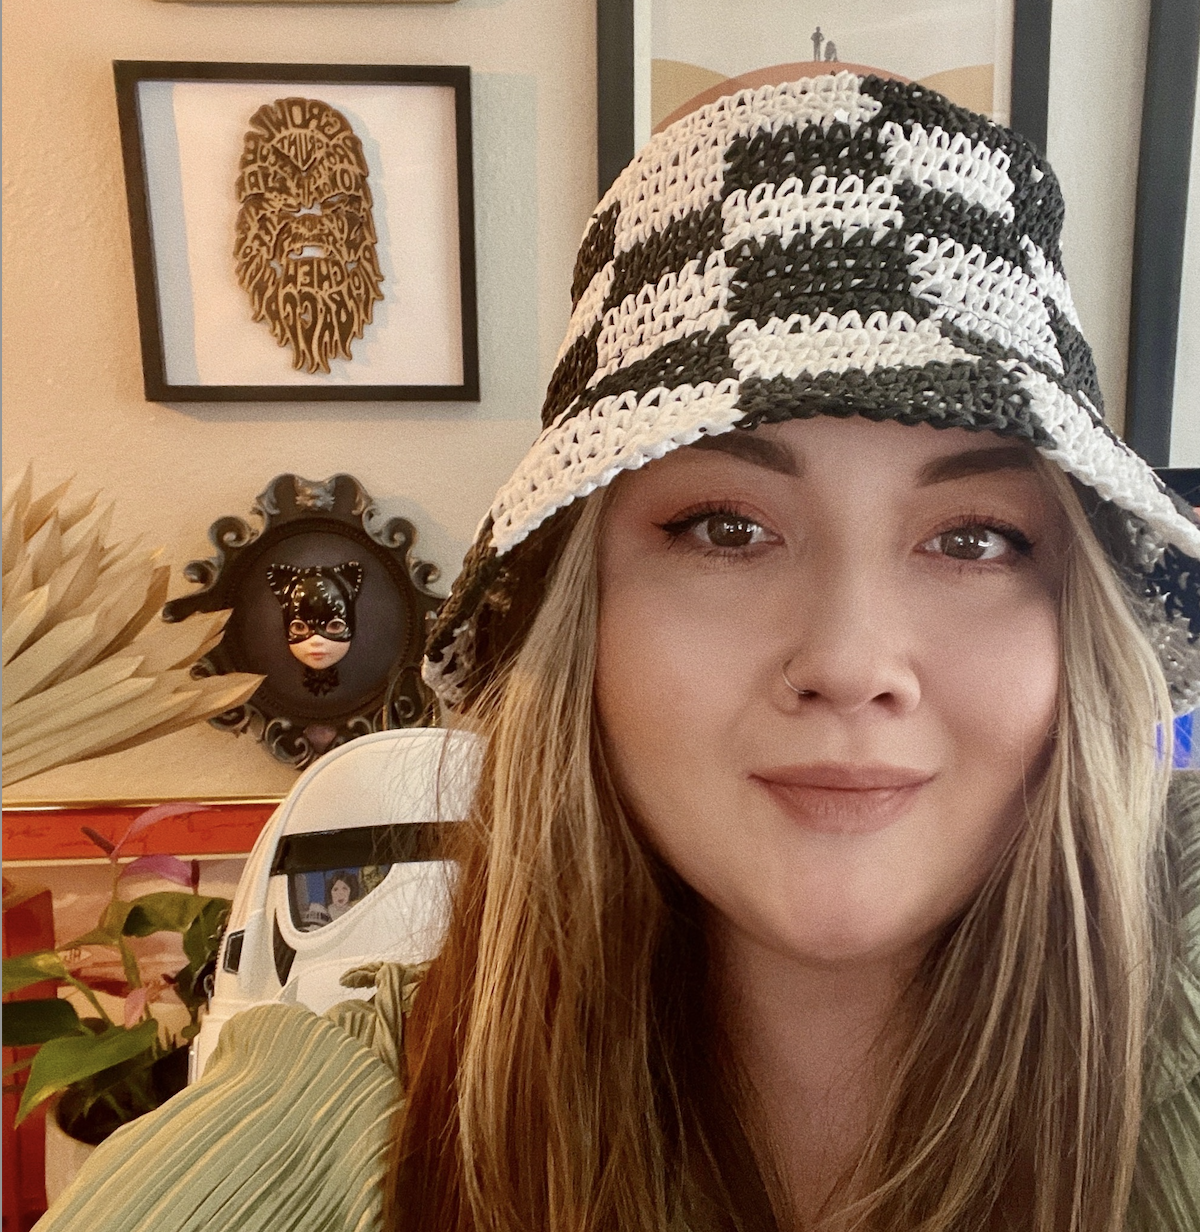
(73, 395)
(73, 398)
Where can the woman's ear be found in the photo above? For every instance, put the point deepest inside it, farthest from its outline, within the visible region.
(281, 578)
(351, 576)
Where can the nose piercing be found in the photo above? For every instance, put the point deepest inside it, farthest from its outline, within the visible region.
(798, 692)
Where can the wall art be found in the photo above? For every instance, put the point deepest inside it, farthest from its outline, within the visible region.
(660, 59)
(327, 600)
(301, 232)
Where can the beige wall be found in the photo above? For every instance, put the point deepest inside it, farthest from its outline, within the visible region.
(73, 400)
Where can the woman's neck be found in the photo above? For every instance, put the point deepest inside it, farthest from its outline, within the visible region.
(818, 1045)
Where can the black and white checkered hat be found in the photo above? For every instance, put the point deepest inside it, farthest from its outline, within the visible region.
(839, 245)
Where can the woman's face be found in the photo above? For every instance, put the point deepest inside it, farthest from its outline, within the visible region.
(318, 652)
(339, 893)
(907, 580)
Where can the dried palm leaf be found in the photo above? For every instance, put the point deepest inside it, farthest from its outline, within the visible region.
(89, 668)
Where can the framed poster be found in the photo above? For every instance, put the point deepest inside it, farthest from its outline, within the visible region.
(659, 59)
(301, 232)
(1162, 412)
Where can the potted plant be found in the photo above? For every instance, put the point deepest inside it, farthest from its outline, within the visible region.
(106, 1069)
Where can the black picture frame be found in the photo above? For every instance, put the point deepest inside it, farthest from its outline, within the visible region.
(1184, 481)
(615, 144)
(316, 523)
(129, 75)
(1164, 166)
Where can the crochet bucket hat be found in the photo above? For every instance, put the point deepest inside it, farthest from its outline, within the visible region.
(840, 245)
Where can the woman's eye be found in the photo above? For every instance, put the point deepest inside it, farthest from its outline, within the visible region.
(298, 629)
(335, 625)
(723, 531)
(975, 543)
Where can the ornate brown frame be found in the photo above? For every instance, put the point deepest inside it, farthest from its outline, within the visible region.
(291, 506)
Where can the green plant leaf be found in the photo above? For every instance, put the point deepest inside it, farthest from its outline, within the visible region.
(168, 911)
(129, 1085)
(114, 917)
(36, 1022)
(26, 969)
(61, 1062)
(203, 936)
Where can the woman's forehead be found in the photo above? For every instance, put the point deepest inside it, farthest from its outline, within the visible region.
(825, 445)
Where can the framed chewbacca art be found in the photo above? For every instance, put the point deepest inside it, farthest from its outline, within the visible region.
(301, 231)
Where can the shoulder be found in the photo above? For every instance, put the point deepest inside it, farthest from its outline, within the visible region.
(1167, 1189)
(290, 1126)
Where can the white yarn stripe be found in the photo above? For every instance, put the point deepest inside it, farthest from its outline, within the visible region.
(619, 433)
(783, 211)
(985, 296)
(587, 311)
(1050, 282)
(1084, 450)
(802, 346)
(951, 163)
(687, 301)
(682, 169)
(437, 675)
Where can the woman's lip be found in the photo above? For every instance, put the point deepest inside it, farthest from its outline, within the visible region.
(834, 798)
(845, 776)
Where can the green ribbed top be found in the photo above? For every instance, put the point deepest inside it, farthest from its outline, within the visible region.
(289, 1129)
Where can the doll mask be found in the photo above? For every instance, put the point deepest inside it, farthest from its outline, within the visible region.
(305, 245)
(318, 616)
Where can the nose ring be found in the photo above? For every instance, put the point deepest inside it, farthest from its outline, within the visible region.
(798, 692)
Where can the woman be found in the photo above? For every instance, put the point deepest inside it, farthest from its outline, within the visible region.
(820, 874)
(341, 893)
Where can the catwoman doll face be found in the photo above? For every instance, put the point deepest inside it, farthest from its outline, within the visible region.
(318, 610)
(906, 579)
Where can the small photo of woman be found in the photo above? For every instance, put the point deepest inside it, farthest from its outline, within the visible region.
(341, 893)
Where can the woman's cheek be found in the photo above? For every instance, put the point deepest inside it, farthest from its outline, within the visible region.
(993, 679)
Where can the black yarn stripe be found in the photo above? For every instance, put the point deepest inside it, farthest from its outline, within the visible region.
(571, 375)
(978, 397)
(596, 251)
(990, 349)
(685, 361)
(1038, 203)
(948, 216)
(835, 272)
(480, 567)
(1176, 578)
(694, 237)
(766, 157)
(1079, 369)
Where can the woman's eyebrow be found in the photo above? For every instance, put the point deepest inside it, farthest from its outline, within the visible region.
(974, 462)
(758, 450)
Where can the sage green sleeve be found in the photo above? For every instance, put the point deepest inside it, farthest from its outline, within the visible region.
(287, 1131)
(1166, 1193)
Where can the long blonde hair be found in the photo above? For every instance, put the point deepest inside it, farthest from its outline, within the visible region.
(566, 1074)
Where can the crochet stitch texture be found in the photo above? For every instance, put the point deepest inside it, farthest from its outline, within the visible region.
(839, 245)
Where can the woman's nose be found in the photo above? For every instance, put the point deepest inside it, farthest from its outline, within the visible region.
(850, 647)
